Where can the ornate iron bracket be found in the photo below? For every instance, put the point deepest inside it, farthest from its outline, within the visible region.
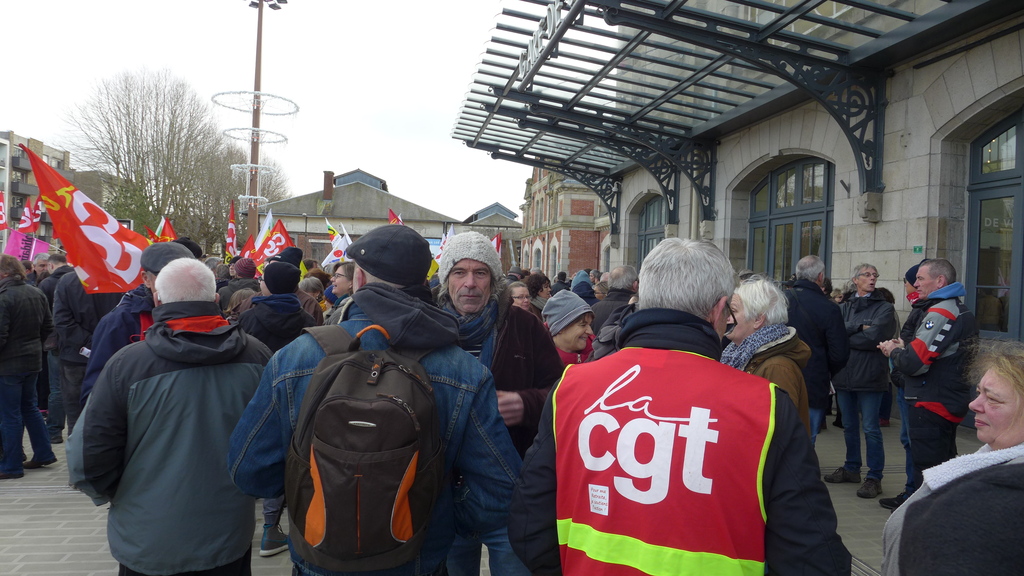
(664, 156)
(854, 97)
(608, 188)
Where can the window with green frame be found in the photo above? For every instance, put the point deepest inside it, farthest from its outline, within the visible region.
(791, 217)
(651, 228)
(994, 273)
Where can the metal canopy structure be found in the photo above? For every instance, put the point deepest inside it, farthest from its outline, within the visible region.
(593, 88)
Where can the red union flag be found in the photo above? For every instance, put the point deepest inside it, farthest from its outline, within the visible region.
(394, 218)
(276, 241)
(496, 242)
(107, 255)
(164, 231)
(230, 241)
(30, 217)
(3, 213)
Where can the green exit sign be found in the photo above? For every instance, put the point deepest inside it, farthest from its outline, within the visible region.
(918, 249)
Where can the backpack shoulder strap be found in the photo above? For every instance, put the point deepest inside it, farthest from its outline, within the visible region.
(332, 338)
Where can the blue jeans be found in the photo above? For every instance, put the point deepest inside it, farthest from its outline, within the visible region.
(817, 416)
(464, 556)
(19, 412)
(905, 439)
(55, 410)
(864, 404)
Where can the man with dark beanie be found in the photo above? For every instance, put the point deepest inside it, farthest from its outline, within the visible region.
(245, 272)
(276, 317)
(293, 256)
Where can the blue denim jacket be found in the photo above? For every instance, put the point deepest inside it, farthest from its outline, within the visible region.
(473, 434)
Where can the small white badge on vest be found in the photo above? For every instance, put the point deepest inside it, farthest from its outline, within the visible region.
(599, 499)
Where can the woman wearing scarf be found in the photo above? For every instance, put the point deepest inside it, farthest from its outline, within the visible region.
(540, 290)
(999, 419)
(763, 345)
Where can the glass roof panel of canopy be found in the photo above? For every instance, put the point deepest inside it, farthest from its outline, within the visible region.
(556, 81)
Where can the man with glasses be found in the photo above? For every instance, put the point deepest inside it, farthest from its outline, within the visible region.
(341, 284)
(869, 321)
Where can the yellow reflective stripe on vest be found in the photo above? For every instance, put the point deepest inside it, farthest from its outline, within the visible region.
(764, 452)
(649, 558)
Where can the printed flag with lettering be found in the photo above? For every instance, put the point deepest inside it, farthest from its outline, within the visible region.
(165, 232)
(107, 256)
(230, 241)
(339, 243)
(24, 247)
(276, 241)
(30, 217)
(151, 235)
(3, 213)
(394, 218)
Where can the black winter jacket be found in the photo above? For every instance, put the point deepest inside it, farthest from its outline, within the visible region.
(800, 536)
(616, 298)
(234, 285)
(274, 326)
(868, 368)
(49, 284)
(819, 323)
(76, 315)
(25, 322)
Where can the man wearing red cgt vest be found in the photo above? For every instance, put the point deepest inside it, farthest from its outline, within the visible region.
(660, 460)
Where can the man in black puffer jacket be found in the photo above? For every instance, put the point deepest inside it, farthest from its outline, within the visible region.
(869, 320)
(819, 324)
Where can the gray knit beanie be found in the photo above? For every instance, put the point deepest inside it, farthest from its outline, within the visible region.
(472, 245)
(563, 309)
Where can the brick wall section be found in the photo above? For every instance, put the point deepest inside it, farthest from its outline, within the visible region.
(585, 249)
(582, 208)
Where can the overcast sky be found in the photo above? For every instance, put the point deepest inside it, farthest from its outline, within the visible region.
(379, 83)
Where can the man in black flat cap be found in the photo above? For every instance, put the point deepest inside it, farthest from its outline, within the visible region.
(128, 321)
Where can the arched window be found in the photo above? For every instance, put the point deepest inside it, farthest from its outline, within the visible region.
(993, 276)
(651, 228)
(791, 217)
(537, 256)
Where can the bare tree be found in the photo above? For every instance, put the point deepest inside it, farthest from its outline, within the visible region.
(159, 140)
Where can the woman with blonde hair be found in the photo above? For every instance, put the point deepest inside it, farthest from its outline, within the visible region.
(999, 420)
(763, 345)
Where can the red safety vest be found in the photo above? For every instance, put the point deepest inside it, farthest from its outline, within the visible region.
(659, 459)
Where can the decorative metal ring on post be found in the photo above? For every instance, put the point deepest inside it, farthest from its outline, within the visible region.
(246, 100)
(250, 134)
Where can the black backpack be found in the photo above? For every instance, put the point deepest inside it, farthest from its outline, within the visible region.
(366, 463)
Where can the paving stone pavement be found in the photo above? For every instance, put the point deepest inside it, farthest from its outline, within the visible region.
(50, 529)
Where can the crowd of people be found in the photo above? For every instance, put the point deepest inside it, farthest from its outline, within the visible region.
(579, 418)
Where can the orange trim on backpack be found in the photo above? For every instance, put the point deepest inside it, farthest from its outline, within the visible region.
(316, 515)
(401, 516)
(374, 327)
(197, 323)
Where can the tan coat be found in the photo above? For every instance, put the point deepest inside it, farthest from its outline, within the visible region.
(781, 362)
